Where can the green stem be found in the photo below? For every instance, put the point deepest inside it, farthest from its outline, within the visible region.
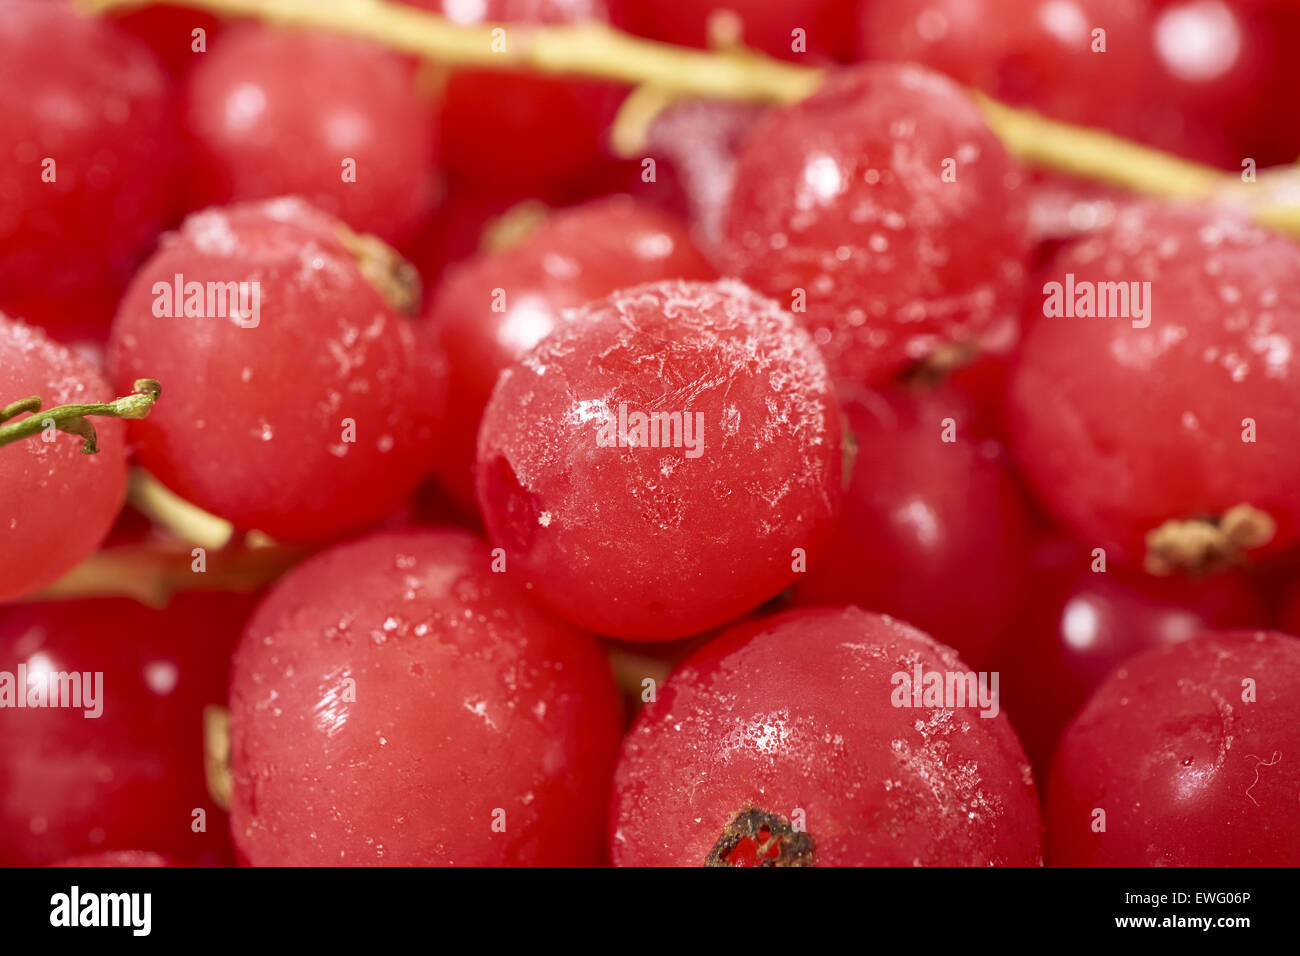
(73, 419)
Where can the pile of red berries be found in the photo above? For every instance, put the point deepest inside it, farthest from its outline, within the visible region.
(391, 474)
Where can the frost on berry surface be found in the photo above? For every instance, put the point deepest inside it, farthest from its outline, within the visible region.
(133, 776)
(701, 138)
(87, 173)
(635, 539)
(1193, 752)
(492, 309)
(795, 713)
(271, 112)
(392, 695)
(884, 210)
(1122, 428)
(934, 532)
(255, 427)
(58, 503)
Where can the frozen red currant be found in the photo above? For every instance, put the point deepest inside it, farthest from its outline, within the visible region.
(56, 503)
(794, 741)
(1205, 78)
(124, 769)
(1152, 406)
(394, 701)
(1183, 757)
(790, 29)
(1079, 624)
(335, 120)
(934, 529)
(299, 399)
(530, 133)
(1038, 53)
(664, 461)
(88, 164)
(884, 211)
(494, 308)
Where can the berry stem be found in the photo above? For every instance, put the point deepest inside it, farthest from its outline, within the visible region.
(667, 72)
(186, 521)
(73, 418)
(216, 755)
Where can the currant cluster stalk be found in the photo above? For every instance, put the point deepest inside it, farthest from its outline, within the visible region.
(599, 51)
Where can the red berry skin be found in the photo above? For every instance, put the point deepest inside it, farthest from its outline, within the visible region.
(1118, 428)
(1032, 53)
(1228, 70)
(1188, 772)
(253, 425)
(169, 31)
(1291, 612)
(276, 112)
(74, 785)
(795, 712)
(468, 701)
(534, 134)
(933, 532)
(131, 858)
(1079, 625)
(494, 308)
(59, 503)
(662, 540)
(842, 199)
(84, 94)
(767, 25)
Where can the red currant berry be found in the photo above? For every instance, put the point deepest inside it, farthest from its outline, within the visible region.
(1167, 427)
(934, 530)
(133, 774)
(493, 309)
(1079, 625)
(87, 172)
(309, 413)
(1227, 68)
(57, 504)
(884, 208)
(1036, 53)
(538, 134)
(793, 720)
(816, 29)
(1181, 759)
(333, 119)
(658, 527)
(394, 701)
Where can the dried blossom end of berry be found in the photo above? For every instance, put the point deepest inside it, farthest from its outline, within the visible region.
(1200, 545)
(381, 265)
(935, 368)
(755, 837)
